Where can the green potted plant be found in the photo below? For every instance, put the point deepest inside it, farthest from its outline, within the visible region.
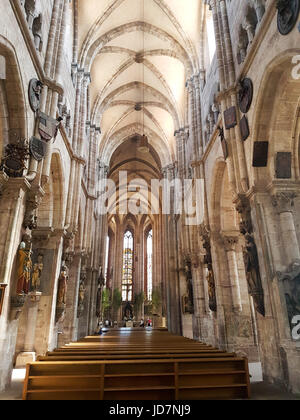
(139, 299)
(116, 301)
(105, 302)
(156, 300)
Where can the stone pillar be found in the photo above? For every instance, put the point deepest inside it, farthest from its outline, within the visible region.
(199, 296)
(283, 203)
(29, 354)
(69, 327)
(230, 243)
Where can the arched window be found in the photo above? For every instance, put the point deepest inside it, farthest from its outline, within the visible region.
(127, 267)
(210, 36)
(149, 265)
(106, 267)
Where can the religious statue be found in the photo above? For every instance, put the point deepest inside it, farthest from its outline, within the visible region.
(245, 94)
(253, 274)
(81, 295)
(82, 290)
(128, 313)
(62, 286)
(37, 31)
(36, 274)
(98, 302)
(212, 301)
(292, 296)
(101, 279)
(24, 269)
(188, 299)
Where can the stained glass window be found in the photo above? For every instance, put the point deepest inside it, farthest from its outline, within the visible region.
(149, 265)
(106, 259)
(127, 267)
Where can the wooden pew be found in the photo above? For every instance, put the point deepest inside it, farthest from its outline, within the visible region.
(137, 365)
(161, 379)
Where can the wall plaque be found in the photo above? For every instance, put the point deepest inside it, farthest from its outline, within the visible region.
(244, 126)
(283, 165)
(230, 118)
(37, 148)
(288, 11)
(260, 154)
(245, 95)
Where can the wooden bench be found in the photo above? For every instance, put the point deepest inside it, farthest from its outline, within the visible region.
(161, 379)
(139, 365)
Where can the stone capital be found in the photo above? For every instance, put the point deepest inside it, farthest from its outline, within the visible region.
(283, 201)
(230, 242)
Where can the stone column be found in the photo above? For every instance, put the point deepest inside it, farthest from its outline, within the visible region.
(230, 243)
(28, 355)
(199, 296)
(283, 203)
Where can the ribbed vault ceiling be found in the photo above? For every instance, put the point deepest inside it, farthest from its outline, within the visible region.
(139, 52)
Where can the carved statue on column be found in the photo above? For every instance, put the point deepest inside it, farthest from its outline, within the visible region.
(291, 289)
(81, 296)
(37, 31)
(24, 268)
(36, 274)
(62, 286)
(259, 9)
(251, 256)
(188, 299)
(29, 10)
(62, 292)
(212, 303)
(216, 111)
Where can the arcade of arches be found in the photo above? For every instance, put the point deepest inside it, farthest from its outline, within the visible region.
(99, 100)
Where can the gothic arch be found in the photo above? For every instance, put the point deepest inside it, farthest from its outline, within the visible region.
(278, 105)
(13, 105)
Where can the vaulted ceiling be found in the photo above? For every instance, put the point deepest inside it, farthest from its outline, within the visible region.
(139, 54)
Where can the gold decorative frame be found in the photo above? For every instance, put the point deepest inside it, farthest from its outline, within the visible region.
(2, 293)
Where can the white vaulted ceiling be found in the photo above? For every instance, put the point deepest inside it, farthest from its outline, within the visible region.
(139, 52)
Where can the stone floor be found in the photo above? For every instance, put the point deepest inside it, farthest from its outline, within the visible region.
(259, 390)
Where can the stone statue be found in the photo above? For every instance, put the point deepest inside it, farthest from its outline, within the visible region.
(189, 297)
(98, 302)
(37, 31)
(36, 274)
(62, 286)
(212, 301)
(292, 296)
(128, 313)
(29, 7)
(253, 274)
(24, 269)
(81, 295)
